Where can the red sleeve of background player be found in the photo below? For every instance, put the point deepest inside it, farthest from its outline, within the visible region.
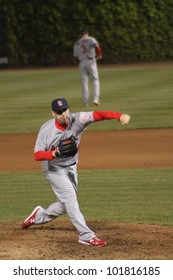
(43, 155)
(106, 115)
(98, 50)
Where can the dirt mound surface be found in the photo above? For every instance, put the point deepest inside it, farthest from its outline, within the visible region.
(58, 239)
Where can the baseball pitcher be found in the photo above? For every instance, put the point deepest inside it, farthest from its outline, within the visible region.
(57, 148)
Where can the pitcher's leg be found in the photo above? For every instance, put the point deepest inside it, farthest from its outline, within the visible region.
(77, 218)
(66, 192)
(55, 210)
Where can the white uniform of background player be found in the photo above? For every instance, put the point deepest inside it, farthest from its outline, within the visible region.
(62, 172)
(87, 50)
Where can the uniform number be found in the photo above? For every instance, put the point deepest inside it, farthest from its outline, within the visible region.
(83, 48)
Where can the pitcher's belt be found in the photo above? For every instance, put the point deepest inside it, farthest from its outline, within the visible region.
(67, 165)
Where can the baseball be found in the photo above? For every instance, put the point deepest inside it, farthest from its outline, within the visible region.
(125, 119)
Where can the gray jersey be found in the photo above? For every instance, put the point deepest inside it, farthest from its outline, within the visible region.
(84, 48)
(49, 137)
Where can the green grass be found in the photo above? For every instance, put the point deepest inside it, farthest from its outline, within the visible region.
(139, 196)
(144, 92)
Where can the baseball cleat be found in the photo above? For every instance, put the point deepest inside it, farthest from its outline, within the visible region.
(31, 219)
(94, 241)
(97, 103)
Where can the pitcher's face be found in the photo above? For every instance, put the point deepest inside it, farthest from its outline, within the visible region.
(61, 116)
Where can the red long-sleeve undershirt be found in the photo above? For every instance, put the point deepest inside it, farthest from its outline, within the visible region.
(97, 115)
(106, 115)
(43, 155)
(98, 50)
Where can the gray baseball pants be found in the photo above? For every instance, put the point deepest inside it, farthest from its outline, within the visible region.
(64, 184)
(88, 69)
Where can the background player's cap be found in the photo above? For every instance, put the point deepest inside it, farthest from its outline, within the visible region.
(59, 104)
(84, 30)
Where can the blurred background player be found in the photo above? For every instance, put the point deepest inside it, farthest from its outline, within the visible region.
(87, 51)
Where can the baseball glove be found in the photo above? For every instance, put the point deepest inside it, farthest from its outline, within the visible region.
(67, 147)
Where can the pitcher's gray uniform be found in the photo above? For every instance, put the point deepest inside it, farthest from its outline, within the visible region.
(62, 173)
(85, 50)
